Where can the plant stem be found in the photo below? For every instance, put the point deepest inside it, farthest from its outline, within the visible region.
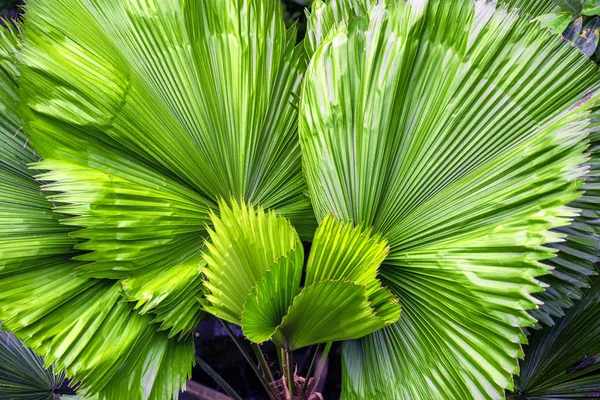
(289, 372)
(263, 363)
(321, 364)
(217, 378)
(248, 358)
(310, 368)
(202, 392)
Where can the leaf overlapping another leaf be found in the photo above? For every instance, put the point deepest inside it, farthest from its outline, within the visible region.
(81, 325)
(443, 126)
(22, 372)
(564, 360)
(143, 122)
(574, 262)
(254, 268)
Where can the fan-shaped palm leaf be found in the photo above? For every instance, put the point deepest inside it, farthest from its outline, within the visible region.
(563, 362)
(536, 7)
(574, 262)
(22, 372)
(145, 113)
(254, 267)
(80, 324)
(449, 127)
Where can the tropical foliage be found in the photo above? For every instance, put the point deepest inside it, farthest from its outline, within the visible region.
(577, 21)
(166, 160)
(564, 361)
(22, 373)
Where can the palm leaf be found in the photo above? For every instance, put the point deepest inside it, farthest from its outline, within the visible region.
(563, 361)
(254, 268)
(22, 372)
(538, 7)
(437, 124)
(145, 134)
(79, 324)
(576, 256)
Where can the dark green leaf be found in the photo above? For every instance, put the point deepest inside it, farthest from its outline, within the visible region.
(563, 362)
(22, 372)
(556, 23)
(572, 6)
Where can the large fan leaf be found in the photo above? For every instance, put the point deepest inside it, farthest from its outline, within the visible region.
(81, 325)
(576, 256)
(564, 361)
(146, 113)
(22, 372)
(254, 268)
(442, 125)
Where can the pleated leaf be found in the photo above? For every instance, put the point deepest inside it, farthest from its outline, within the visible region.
(81, 325)
(146, 113)
(539, 7)
(574, 262)
(22, 372)
(450, 128)
(244, 244)
(254, 269)
(564, 361)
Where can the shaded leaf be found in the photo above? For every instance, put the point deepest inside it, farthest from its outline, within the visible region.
(591, 7)
(564, 361)
(22, 372)
(587, 42)
(572, 6)
(573, 30)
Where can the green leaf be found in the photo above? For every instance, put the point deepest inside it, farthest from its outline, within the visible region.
(564, 361)
(244, 244)
(14, 151)
(151, 224)
(556, 23)
(81, 325)
(533, 7)
(572, 6)
(22, 372)
(144, 135)
(86, 329)
(209, 104)
(591, 7)
(254, 268)
(587, 42)
(437, 124)
(325, 17)
(577, 255)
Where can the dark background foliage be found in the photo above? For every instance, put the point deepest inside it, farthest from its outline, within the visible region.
(10, 8)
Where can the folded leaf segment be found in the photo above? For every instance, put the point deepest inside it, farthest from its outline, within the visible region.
(254, 268)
